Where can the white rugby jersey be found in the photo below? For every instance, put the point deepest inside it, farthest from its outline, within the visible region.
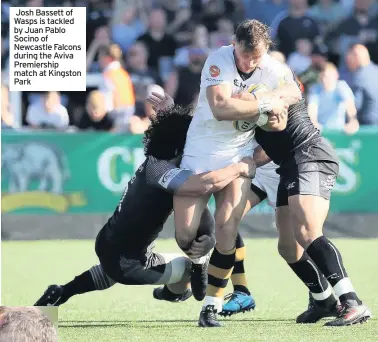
(206, 135)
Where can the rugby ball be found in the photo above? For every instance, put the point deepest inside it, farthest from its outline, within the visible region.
(245, 125)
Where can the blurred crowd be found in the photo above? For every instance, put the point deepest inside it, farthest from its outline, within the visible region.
(139, 46)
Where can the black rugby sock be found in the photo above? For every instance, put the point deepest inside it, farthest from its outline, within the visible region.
(314, 279)
(91, 280)
(328, 258)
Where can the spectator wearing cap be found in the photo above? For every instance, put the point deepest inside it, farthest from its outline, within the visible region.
(200, 40)
(331, 102)
(116, 86)
(183, 84)
(48, 113)
(364, 84)
(295, 25)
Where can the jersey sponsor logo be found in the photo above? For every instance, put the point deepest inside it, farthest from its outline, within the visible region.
(214, 71)
(167, 177)
(209, 79)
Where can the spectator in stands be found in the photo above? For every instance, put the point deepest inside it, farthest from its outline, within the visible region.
(359, 28)
(223, 35)
(96, 117)
(178, 15)
(159, 43)
(318, 59)
(295, 25)
(117, 86)
(211, 12)
(200, 40)
(277, 55)
(364, 84)
(25, 324)
(6, 113)
(331, 102)
(48, 113)
(183, 84)
(101, 38)
(129, 22)
(141, 75)
(300, 60)
(327, 13)
(265, 10)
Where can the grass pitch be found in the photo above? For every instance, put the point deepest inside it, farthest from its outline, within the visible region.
(131, 314)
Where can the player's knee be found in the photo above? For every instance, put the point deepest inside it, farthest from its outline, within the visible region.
(288, 250)
(184, 241)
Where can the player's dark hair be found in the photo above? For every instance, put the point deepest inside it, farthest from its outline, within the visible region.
(166, 136)
(250, 33)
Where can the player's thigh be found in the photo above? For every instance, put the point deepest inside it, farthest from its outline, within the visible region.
(254, 197)
(187, 216)
(309, 199)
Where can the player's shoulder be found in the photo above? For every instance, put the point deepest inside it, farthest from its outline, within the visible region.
(272, 65)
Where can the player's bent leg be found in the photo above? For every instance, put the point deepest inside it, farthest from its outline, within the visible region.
(230, 206)
(299, 261)
(308, 214)
(94, 279)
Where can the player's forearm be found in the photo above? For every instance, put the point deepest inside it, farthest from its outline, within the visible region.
(289, 92)
(235, 109)
(260, 157)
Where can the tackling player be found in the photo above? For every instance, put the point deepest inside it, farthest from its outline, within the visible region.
(308, 171)
(125, 243)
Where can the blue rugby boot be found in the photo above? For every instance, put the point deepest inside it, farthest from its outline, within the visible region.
(238, 302)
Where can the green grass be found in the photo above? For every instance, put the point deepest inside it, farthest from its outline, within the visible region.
(131, 314)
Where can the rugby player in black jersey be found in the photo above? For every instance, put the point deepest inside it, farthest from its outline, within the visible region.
(125, 243)
(308, 168)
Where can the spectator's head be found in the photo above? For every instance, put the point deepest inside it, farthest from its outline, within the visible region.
(225, 26)
(298, 7)
(362, 6)
(329, 76)
(34, 3)
(251, 41)
(357, 57)
(51, 100)
(278, 56)
(137, 56)
(166, 136)
(197, 58)
(200, 37)
(304, 47)
(128, 15)
(108, 54)
(102, 34)
(24, 324)
(96, 105)
(157, 20)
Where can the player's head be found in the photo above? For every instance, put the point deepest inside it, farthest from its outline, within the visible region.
(166, 136)
(251, 41)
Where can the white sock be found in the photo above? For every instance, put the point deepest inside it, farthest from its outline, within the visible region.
(343, 286)
(217, 302)
(323, 295)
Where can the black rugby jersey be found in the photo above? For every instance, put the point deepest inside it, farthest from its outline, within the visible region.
(144, 207)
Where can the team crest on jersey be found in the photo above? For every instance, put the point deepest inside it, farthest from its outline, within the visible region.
(214, 71)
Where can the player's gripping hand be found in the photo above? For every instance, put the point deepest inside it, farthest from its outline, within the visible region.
(201, 246)
(159, 101)
(279, 108)
(248, 167)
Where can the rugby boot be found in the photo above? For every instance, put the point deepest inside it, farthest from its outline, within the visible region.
(350, 313)
(163, 293)
(53, 296)
(238, 302)
(208, 318)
